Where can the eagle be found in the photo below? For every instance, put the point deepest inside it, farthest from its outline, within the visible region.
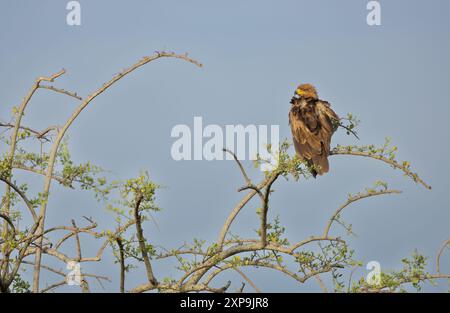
(312, 123)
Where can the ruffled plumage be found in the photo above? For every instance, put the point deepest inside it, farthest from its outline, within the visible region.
(312, 123)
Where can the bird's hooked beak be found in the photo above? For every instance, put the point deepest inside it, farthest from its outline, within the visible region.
(299, 93)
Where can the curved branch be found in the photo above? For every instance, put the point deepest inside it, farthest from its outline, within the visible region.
(247, 179)
(354, 199)
(72, 118)
(247, 279)
(12, 151)
(438, 257)
(272, 266)
(22, 195)
(299, 244)
(393, 163)
(8, 220)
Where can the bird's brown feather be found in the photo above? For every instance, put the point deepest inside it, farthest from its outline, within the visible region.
(313, 123)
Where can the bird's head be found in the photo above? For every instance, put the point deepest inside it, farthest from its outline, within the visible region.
(306, 91)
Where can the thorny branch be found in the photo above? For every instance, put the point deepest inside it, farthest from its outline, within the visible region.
(36, 236)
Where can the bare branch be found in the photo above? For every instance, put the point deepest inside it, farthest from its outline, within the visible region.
(247, 179)
(122, 264)
(265, 209)
(62, 91)
(77, 237)
(438, 257)
(247, 279)
(46, 131)
(50, 78)
(59, 179)
(53, 286)
(8, 220)
(393, 163)
(141, 239)
(354, 199)
(63, 130)
(38, 134)
(12, 151)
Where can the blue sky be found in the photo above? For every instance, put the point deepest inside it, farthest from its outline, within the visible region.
(393, 77)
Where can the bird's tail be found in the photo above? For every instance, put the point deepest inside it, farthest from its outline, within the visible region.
(320, 164)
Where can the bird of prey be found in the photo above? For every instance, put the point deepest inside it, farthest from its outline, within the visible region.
(312, 123)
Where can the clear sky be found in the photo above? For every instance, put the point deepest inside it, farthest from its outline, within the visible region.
(394, 77)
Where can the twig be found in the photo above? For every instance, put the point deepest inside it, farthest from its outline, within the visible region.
(77, 237)
(247, 279)
(247, 179)
(51, 78)
(38, 134)
(62, 91)
(349, 130)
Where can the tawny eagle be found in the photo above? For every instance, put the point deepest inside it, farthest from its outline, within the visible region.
(312, 123)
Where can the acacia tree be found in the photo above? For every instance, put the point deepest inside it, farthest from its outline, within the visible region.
(200, 263)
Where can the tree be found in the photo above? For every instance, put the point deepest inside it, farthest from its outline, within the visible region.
(200, 263)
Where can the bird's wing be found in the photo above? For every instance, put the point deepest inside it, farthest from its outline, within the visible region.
(326, 116)
(328, 120)
(306, 143)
